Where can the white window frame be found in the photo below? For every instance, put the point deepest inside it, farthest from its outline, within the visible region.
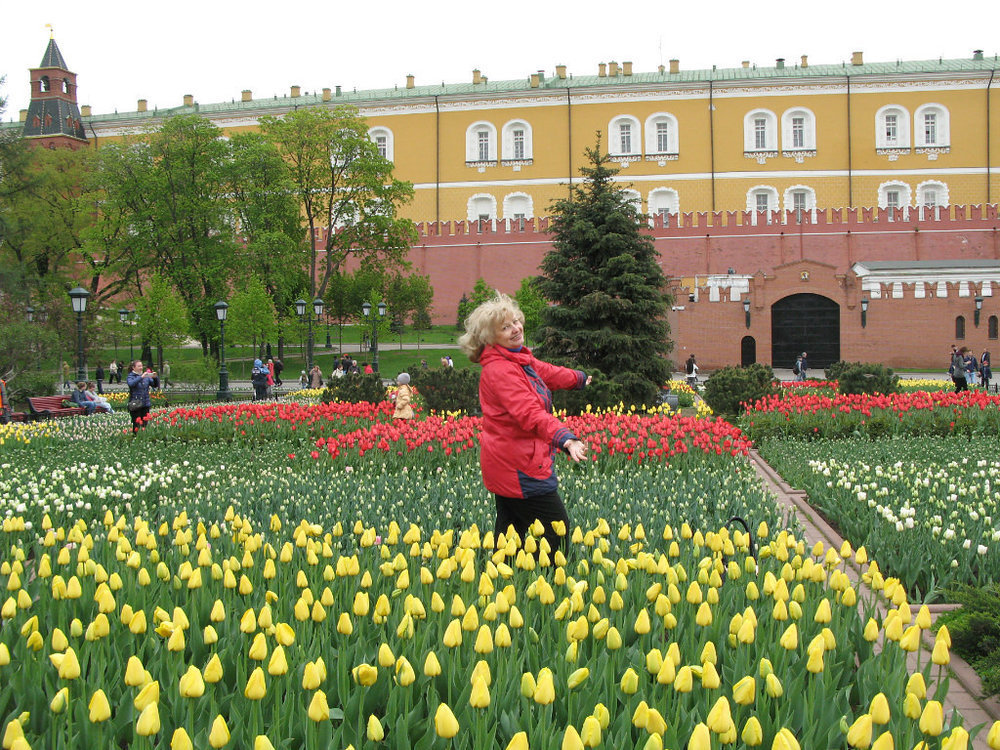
(941, 198)
(507, 141)
(808, 129)
(770, 131)
(902, 127)
(614, 136)
(472, 142)
(788, 199)
(772, 201)
(481, 201)
(663, 199)
(518, 203)
(905, 193)
(942, 126)
(635, 197)
(652, 139)
(381, 130)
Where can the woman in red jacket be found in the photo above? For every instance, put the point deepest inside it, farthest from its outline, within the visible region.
(520, 435)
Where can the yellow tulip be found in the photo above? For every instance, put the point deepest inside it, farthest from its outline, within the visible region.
(213, 670)
(709, 676)
(916, 685)
(180, 740)
(545, 690)
(58, 703)
(432, 667)
(957, 740)
(453, 634)
(69, 668)
(480, 697)
(884, 742)
(684, 680)
(745, 691)
(149, 721)
(134, 672)
(720, 718)
(860, 732)
(256, 687)
(753, 732)
(578, 677)
(790, 638)
(785, 740)
(99, 708)
(365, 674)
(278, 664)
(879, 709)
(528, 685)
(319, 709)
(630, 682)
(911, 639)
(219, 736)
(701, 738)
(571, 739)
(405, 675)
(375, 731)
(261, 742)
(993, 738)
(518, 742)
(591, 733)
(445, 723)
(192, 685)
(911, 706)
(148, 695)
(940, 655)
(258, 649)
(932, 719)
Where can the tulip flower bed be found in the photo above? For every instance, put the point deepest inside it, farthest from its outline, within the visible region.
(279, 575)
(810, 416)
(928, 508)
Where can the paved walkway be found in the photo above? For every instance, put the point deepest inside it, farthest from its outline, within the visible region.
(964, 689)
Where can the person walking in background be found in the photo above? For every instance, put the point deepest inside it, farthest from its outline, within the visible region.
(65, 370)
(315, 377)
(803, 366)
(970, 364)
(99, 376)
(259, 376)
(957, 369)
(278, 367)
(113, 373)
(520, 435)
(368, 369)
(139, 383)
(691, 370)
(166, 375)
(985, 369)
(5, 407)
(403, 398)
(303, 380)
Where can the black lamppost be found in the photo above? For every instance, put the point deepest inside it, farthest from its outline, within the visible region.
(979, 309)
(123, 318)
(746, 311)
(864, 311)
(224, 394)
(79, 297)
(366, 308)
(329, 343)
(300, 309)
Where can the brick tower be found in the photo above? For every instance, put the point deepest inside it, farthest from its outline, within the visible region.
(53, 117)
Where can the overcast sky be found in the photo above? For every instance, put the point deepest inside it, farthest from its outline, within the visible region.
(124, 51)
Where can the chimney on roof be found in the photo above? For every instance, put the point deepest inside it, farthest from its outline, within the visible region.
(857, 58)
(977, 54)
(541, 75)
(613, 69)
(534, 80)
(409, 82)
(327, 94)
(561, 71)
(85, 110)
(627, 68)
(602, 70)
(141, 107)
(477, 76)
(188, 100)
(662, 69)
(23, 115)
(337, 92)
(745, 63)
(805, 61)
(780, 63)
(246, 95)
(295, 92)
(675, 66)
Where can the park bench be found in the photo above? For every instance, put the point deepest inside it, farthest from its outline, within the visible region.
(45, 407)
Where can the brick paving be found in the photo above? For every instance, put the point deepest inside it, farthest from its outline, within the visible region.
(964, 689)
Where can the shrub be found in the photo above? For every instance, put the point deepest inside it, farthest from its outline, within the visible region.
(834, 371)
(867, 377)
(354, 389)
(728, 388)
(975, 631)
(29, 383)
(198, 374)
(602, 393)
(448, 389)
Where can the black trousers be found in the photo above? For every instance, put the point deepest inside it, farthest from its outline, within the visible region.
(521, 512)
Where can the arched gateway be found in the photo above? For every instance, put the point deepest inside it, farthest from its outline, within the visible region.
(805, 323)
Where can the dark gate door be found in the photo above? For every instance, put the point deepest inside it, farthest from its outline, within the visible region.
(748, 351)
(805, 323)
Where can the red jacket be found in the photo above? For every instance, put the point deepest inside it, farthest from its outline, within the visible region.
(520, 434)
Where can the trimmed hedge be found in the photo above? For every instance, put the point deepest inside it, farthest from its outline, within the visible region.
(727, 389)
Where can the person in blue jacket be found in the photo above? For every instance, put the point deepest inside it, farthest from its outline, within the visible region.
(139, 383)
(258, 376)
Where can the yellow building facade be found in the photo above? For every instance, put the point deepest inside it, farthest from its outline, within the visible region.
(924, 133)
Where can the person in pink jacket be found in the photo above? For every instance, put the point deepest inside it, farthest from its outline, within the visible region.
(520, 435)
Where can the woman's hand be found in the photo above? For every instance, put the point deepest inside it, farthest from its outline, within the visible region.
(589, 378)
(577, 450)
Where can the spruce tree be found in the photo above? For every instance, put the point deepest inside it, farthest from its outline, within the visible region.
(608, 291)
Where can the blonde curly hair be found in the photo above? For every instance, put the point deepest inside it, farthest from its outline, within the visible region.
(482, 324)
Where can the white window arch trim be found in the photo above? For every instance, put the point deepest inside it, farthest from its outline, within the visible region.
(905, 193)
(882, 141)
(942, 136)
(663, 199)
(653, 144)
(752, 147)
(788, 200)
(772, 202)
(480, 201)
(472, 154)
(518, 203)
(507, 153)
(380, 130)
(615, 137)
(634, 197)
(808, 133)
(941, 197)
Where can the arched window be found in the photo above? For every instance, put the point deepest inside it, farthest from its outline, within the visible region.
(931, 126)
(65, 85)
(518, 206)
(960, 327)
(800, 198)
(892, 127)
(760, 131)
(798, 130)
(663, 202)
(932, 194)
(662, 135)
(382, 138)
(893, 194)
(635, 198)
(481, 143)
(46, 84)
(762, 198)
(517, 141)
(482, 207)
(991, 327)
(624, 136)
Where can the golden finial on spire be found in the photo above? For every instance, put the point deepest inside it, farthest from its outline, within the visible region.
(52, 32)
